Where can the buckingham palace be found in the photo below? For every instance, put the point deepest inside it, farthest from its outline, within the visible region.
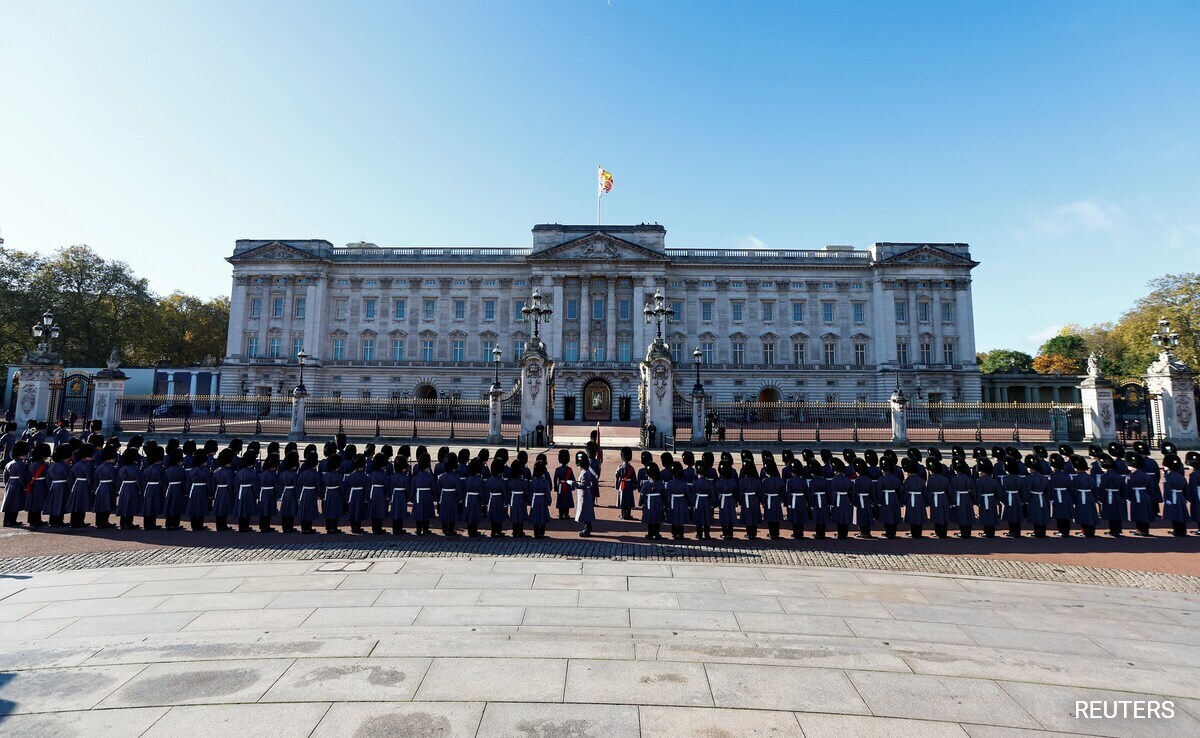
(836, 323)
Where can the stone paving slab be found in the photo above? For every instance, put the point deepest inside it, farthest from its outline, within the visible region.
(680, 651)
(291, 558)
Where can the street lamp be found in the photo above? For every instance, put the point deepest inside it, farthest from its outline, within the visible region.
(537, 311)
(301, 359)
(244, 388)
(45, 331)
(496, 353)
(658, 313)
(698, 357)
(1165, 338)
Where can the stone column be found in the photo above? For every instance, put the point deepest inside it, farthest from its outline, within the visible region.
(237, 317)
(699, 408)
(310, 320)
(899, 405)
(170, 383)
(535, 365)
(193, 387)
(494, 396)
(585, 318)
(1099, 424)
(610, 315)
(1172, 388)
(657, 389)
(106, 397)
(639, 301)
(38, 381)
(299, 411)
(556, 343)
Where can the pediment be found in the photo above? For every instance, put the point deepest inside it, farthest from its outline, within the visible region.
(928, 254)
(274, 251)
(598, 246)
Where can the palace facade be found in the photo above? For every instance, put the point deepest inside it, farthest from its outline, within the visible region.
(829, 324)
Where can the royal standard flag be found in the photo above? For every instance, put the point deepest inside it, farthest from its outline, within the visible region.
(606, 181)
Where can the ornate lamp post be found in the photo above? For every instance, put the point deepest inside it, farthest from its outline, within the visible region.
(496, 354)
(697, 357)
(45, 331)
(537, 312)
(301, 359)
(1164, 339)
(661, 311)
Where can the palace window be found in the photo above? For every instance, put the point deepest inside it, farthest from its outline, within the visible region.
(299, 306)
(860, 354)
(926, 352)
(768, 354)
(369, 308)
(827, 312)
(489, 283)
(430, 308)
(431, 283)
(739, 353)
(830, 352)
(923, 311)
(460, 283)
(489, 309)
(372, 282)
(368, 349)
(798, 312)
(460, 309)
(860, 312)
(399, 308)
(252, 347)
(458, 351)
(572, 309)
(706, 284)
(339, 309)
(677, 352)
(901, 311)
(901, 352)
(518, 350)
(947, 312)
(768, 312)
(677, 285)
(706, 311)
(339, 349)
(487, 350)
(623, 309)
(397, 349)
(707, 352)
(518, 306)
(276, 307)
(624, 350)
(736, 307)
(297, 346)
(798, 352)
(275, 347)
(599, 352)
(571, 350)
(427, 350)
(598, 309)
(948, 352)
(255, 307)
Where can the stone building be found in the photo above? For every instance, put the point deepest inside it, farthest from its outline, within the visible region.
(835, 323)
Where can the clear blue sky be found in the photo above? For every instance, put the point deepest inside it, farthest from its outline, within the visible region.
(1060, 139)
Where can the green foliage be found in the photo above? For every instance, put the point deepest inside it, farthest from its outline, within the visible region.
(102, 304)
(1005, 360)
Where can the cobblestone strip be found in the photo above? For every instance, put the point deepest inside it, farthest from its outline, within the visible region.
(559, 549)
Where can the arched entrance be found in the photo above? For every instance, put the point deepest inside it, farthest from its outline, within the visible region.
(425, 396)
(768, 395)
(425, 392)
(597, 400)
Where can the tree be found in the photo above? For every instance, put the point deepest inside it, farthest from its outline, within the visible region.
(1005, 360)
(184, 330)
(100, 304)
(18, 310)
(1055, 364)
(1067, 345)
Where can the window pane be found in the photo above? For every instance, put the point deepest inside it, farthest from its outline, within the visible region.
(401, 306)
(859, 312)
(737, 312)
(623, 309)
(572, 309)
(706, 351)
(430, 309)
(797, 312)
(460, 309)
(923, 312)
(901, 312)
(369, 309)
(947, 312)
(368, 349)
(768, 311)
(624, 350)
(597, 309)
(397, 350)
(427, 351)
(706, 312)
(489, 309)
(301, 306)
(827, 312)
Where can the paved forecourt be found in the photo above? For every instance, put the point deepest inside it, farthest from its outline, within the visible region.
(465, 646)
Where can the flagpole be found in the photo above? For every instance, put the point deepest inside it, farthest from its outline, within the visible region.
(599, 192)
